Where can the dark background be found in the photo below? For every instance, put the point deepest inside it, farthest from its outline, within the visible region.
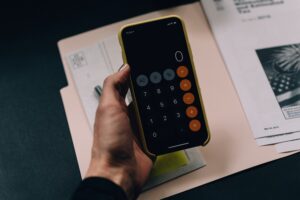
(37, 159)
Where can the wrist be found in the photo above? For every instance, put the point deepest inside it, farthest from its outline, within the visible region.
(119, 175)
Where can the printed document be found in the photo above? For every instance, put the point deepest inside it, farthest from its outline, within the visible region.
(260, 44)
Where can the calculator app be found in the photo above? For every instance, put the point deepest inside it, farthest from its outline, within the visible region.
(164, 86)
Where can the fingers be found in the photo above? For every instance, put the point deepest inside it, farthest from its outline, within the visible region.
(133, 123)
(115, 86)
(140, 150)
(135, 130)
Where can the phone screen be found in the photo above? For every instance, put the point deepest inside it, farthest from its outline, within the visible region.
(164, 85)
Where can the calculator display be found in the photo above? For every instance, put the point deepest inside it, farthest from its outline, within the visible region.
(164, 86)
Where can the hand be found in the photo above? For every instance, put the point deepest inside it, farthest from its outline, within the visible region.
(115, 153)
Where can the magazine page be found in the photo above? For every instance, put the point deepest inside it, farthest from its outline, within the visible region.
(260, 44)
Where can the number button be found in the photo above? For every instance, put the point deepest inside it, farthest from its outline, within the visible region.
(145, 94)
(161, 104)
(158, 91)
(182, 130)
(148, 107)
(178, 56)
(150, 122)
(175, 101)
(155, 77)
(172, 88)
(154, 134)
(178, 115)
(165, 118)
(142, 80)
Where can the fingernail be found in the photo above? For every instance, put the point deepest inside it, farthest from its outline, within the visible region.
(124, 66)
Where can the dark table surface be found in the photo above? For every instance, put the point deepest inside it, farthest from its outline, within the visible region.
(37, 159)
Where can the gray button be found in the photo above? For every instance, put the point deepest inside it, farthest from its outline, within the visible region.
(169, 74)
(142, 80)
(155, 77)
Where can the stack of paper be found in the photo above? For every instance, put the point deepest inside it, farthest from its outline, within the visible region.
(260, 44)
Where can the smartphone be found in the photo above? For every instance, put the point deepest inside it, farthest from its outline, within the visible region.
(163, 84)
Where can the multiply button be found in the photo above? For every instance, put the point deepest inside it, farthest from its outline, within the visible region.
(169, 74)
(185, 85)
(155, 77)
(182, 71)
(191, 111)
(195, 125)
(142, 80)
(188, 98)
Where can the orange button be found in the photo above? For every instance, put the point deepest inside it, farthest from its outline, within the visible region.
(182, 71)
(195, 125)
(188, 98)
(185, 85)
(191, 111)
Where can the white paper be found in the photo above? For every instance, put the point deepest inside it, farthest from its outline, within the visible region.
(288, 146)
(275, 139)
(260, 44)
(90, 66)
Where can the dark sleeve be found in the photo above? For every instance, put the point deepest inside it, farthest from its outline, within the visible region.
(98, 188)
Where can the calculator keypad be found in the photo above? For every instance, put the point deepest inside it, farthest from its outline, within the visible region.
(164, 86)
(171, 104)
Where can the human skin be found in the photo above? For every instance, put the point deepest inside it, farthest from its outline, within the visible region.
(116, 155)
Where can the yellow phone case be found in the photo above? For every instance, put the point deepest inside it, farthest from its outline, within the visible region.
(139, 123)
